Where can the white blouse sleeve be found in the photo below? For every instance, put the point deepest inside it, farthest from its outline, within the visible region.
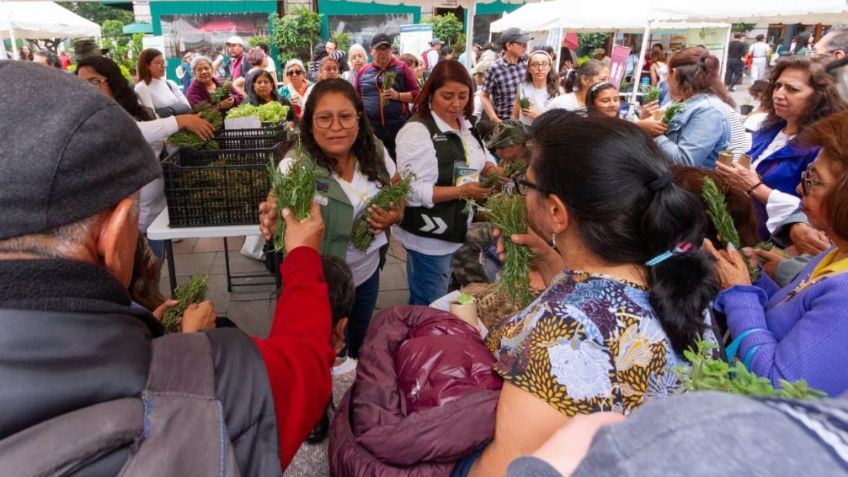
(158, 129)
(415, 151)
(779, 206)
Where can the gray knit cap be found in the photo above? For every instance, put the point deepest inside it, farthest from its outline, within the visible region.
(69, 151)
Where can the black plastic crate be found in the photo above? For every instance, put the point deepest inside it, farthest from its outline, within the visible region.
(251, 138)
(223, 187)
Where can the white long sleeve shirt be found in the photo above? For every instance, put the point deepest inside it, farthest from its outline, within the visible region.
(159, 93)
(415, 151)
(152, 196)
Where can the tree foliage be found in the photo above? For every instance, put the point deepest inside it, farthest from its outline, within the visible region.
(123, 49)
(592, 40)
(341, 39)
(446, 27)
(295, 34)
(742, 27)
(99, 13)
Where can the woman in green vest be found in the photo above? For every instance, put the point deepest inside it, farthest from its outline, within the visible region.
(441, 147)
(352, 166)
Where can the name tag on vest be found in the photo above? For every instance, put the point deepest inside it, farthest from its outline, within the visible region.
(439, 138)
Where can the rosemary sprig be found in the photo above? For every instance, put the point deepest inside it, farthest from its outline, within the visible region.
(388, 83)
(293, 190)
(360, 235)
(672, 111)
(221, 92)
(509, 214)
(192, 291)
(723, 222)
(652, 93)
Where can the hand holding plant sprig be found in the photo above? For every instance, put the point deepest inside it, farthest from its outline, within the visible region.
(388, 83)
(509, 214)
(733, 267)
(293, 190)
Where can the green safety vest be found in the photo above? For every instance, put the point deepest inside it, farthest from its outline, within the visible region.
(338, 212)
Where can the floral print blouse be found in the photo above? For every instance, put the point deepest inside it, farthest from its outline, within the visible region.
(588, 343)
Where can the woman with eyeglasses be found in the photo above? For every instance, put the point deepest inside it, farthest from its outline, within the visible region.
(441, 147)
(618, 246)
(538, 89)
(295, 85)
(104, 74)
(154, 90)
(799, 93)
(352, 167)
(799, 331)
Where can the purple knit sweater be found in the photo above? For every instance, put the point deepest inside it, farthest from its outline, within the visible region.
(807, 335)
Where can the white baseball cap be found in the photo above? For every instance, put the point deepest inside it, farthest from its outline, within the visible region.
(235, 40)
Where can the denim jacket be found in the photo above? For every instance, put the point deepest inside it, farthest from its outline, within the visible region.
(697, 134)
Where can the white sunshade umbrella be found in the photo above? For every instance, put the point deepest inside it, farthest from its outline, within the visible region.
(42, 20)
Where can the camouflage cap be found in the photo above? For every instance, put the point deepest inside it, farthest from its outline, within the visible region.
(507, 133)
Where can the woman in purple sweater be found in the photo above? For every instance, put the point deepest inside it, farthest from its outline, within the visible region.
(800, 331)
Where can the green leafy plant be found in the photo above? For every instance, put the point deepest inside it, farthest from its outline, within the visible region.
(652, 93)
(341, 39)
(672, 110)
(524, 102)
(742, 27)
(273, 112)
(254, 41)
(446, 27)
(360, 235)
(295, 33)
(192, 291)
(509, 214)
(242, 111)
(592, 40)
(723, 222)
(389, 78)
(188, 139)
(294, 190)
(221, 92)
(705, 373)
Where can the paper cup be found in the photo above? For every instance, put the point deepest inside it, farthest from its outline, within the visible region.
(465, 312)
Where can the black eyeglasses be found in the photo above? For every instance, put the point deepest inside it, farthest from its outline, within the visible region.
(808, 182)
(522, 186)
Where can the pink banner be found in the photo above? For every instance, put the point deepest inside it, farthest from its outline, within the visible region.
(618, 63)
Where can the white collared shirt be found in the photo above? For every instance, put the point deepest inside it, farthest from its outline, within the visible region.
(415, 151)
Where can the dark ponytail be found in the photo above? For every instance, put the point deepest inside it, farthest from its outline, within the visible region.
(616, 185)
(697, 71)
(588, 69)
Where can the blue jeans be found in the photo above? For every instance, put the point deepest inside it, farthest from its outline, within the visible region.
(428, 275)
(360, 314)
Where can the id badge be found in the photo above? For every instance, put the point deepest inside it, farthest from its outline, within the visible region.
(463, 174)
(320, 197)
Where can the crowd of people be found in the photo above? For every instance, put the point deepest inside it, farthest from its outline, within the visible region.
(629, 269)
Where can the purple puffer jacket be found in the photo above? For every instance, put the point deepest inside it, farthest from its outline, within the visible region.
(425, 396)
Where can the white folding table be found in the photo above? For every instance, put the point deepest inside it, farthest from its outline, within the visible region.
(161, 230)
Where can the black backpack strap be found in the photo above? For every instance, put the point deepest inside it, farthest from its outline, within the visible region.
(66, 443)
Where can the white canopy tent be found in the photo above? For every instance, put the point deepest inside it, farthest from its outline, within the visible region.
(639, 16)
(761, 11)
(41, 20)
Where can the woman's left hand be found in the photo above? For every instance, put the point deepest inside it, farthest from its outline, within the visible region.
(227, 103)
(381, 219)
(738, 178)
(530, 112)
(166, 305)
(730, 266)
(503, 179)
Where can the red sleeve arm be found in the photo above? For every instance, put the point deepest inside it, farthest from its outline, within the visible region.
(297, 353)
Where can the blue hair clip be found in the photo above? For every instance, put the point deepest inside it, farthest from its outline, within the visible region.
(679, 249)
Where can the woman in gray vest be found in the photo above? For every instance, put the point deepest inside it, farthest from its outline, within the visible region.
(441, 147)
